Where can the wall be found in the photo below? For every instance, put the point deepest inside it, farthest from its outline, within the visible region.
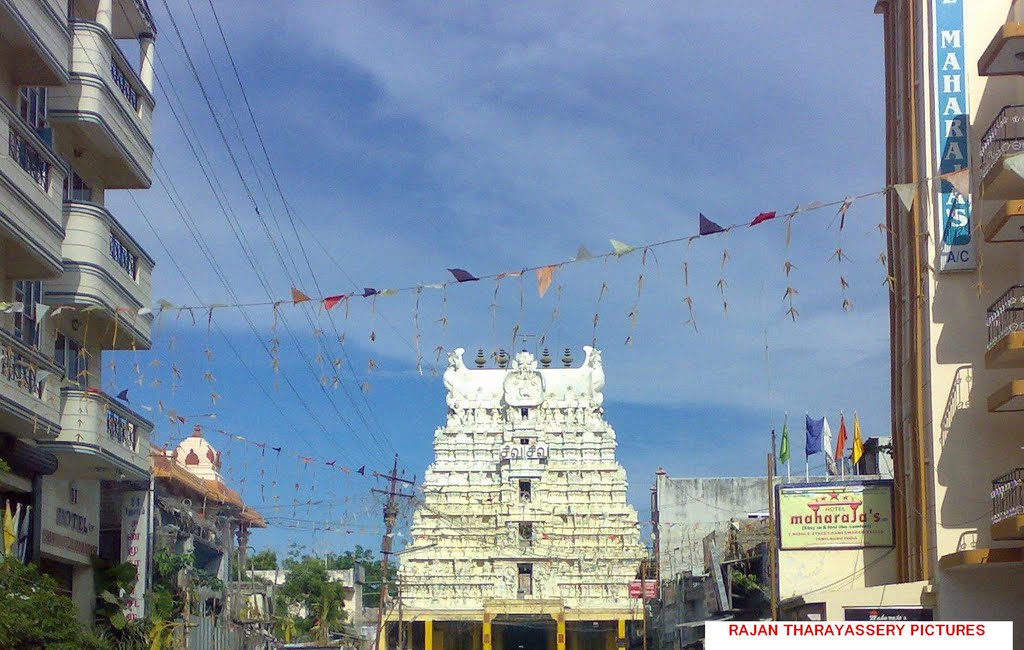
(812, 571)
(691, 508)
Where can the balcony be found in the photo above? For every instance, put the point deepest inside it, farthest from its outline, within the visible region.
(1004, 139)
(1003, 56)
(1007, 224)
(101, 438)
(107, 271)
(29, 401)
(1008, 506)
(1005, 322)
(31, 186)
(36, 40)
(105, 113)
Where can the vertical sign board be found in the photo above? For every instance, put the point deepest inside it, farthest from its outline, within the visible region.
(951, 134)
(135, 546)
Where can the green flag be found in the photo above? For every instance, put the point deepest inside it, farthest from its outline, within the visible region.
(784, 448)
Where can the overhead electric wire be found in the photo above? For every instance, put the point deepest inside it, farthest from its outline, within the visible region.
(274, 245)
(284, 201)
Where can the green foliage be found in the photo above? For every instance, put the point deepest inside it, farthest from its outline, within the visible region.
(4, 467)
(34, 615)
(747, 583)
(308, 587)
(263, 561)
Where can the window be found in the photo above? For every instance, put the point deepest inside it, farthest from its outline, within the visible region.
(72, 357)
(76, 189)
(525, 491)
(524, 441)
(25, 327)
(525, 412)
(32, 106)
(525, 579)
(526, 533)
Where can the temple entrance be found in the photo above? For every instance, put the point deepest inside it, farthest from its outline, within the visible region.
(524, 632)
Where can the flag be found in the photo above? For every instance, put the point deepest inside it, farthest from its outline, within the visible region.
(369, 291)
(330, 302)
(709, 227)
(461, 275)
(123, 395)
(858, 442)
(361, 471)
(761, 218)
(10, 533)
(841, 442)
(544, 276)
(299, 297)
(814, 430)
(620, 248)
(830, 461)
(784, 447)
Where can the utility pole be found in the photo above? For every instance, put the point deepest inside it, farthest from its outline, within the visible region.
(643, 596)
(390, 518)
(773, 550)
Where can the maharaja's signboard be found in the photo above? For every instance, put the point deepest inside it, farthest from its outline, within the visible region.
(835, 515)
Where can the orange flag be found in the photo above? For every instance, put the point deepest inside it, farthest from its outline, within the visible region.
(544, 277)
(841, 442)
(299, 297)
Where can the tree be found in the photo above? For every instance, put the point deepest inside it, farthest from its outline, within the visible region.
(312, 597)
(263, 561)
(34, 615)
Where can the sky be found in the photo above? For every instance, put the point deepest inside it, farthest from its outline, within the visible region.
(409, 138)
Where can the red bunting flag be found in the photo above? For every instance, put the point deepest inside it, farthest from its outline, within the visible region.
(330, 302)
(841, 442)
(299, 297)
(761, 218)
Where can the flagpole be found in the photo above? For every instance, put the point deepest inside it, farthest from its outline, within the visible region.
(807, 459)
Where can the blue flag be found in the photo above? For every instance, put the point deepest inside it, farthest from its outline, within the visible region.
(815, 431)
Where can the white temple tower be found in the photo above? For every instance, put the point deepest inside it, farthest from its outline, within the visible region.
(524, 536)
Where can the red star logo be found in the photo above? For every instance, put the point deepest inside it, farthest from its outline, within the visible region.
(834, 496)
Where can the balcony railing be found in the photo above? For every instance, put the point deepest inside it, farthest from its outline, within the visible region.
(18, 366)
(1004, 137)
(1005, 315)
(126, 259)
(122, 431)
(1008, 495)
(122, 82)
(30, 159)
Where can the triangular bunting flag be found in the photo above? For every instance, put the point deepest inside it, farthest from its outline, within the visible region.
(709, 227)
(41, 311)
(843, 209)
(544, 276)
(367, 292)
(761, 218)
(461, 275)
(298, 297)
(361, 471)
(1015, 164)
(583, 254)
(123, 395)
(330, 302)
(145, 311)
(385, 293)
(907, 193)
(620, 248)
(960, 180)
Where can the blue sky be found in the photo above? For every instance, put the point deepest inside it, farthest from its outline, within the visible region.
(410, 138)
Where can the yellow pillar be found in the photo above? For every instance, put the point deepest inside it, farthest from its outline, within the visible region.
(428, 634)
(560, 634)
(487, 632)
(382, 644)
(622, 633)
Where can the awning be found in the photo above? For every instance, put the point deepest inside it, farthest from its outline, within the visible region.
(26, 459)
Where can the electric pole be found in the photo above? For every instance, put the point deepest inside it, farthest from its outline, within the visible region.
(390, 518)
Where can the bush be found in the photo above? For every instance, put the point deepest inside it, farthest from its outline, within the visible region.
(34, 615)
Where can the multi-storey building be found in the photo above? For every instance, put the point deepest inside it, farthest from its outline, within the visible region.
(73, 280)
(524, 537)
(954, 129)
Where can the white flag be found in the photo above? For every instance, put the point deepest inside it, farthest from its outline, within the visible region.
(830, 460)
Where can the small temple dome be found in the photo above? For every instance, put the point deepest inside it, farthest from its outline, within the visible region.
(198, 456)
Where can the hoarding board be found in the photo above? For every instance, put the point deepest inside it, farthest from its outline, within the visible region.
(835, 515)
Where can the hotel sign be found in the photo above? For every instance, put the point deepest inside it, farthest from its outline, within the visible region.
(952, 112)
(835, 515)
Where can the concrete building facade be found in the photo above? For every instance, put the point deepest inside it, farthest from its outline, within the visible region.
(78, 123)
(524, 537)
